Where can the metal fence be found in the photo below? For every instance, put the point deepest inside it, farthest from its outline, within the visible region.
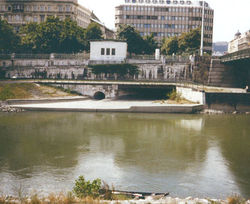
(77, 56)
(242, 54)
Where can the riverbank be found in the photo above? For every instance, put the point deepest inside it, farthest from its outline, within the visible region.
(70, 198)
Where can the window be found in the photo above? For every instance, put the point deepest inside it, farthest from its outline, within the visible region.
(42, 18)
(60, 8)
(102, 51)
(42, 8)
(108, 51)
(113, 51)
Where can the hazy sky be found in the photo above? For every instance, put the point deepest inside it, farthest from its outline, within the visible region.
(230, 15)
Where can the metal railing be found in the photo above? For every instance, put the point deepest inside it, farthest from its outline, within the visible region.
(77, 56)
(242, 54)
(31, 56)
(141, 57)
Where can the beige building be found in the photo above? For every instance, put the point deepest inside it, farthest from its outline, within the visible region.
(166, 18)
(20, 12)
(240, 42)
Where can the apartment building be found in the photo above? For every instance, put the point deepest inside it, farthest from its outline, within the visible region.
(21, 12)
(166, 18)
(240, 42)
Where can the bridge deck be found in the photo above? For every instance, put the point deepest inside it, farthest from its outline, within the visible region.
(237, 56)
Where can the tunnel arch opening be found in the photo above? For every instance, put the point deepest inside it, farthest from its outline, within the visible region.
(99, 95)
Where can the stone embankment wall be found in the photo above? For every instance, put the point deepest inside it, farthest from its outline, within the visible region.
(221, 74)
(228, 102)
(78, 69)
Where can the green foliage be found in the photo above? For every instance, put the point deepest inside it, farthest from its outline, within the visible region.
(53, 35)
(120, 69)
(8, 39)
(150, 44)
(85, 188)
(132, 37)
(174, 96)
(190, 42)
(170, 46)
(187, 43)
(93, 32)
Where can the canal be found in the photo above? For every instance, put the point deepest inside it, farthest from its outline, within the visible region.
(186, 155)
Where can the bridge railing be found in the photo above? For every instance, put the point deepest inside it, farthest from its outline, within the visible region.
(77, 56)
(242, 54)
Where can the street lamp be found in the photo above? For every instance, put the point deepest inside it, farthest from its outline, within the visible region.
(202, 27)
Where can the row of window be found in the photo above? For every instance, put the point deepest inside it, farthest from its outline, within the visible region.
(169, 18)
(167, 34)
(20, 7)
(21, 18)
(107, 51)
(165, 26)
(166, 9)
(181, 2)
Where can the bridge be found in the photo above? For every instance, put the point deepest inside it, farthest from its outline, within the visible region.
(242, 56)
(231, 70)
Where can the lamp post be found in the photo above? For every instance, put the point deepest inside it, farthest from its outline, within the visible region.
(202, 27)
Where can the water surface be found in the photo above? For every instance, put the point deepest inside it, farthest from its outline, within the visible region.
(197, 155)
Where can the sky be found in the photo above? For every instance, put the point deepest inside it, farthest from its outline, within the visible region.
(230, 15)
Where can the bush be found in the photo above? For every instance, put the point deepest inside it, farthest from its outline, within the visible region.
(174, 96)
(85, 188)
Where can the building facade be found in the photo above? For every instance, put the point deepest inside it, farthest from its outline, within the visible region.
(240, 42)
(166, 18)
(21, 12)
(108, 50)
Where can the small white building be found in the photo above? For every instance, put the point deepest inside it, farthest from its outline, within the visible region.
(108, 50)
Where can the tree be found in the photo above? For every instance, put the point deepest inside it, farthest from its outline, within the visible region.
(150, 44)
(93, 32)
(132, 37)
(53, 35)
(72, 37)
(8, 39)
(190, 42)
(29, 34)
(170, 46)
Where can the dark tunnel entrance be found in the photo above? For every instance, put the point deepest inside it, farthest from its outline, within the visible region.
(144, 92)
(99, 95)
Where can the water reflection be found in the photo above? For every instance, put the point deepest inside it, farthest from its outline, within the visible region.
(184, 154)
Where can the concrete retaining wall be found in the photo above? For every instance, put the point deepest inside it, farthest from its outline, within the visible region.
(221, 75)
(110, 91)
(77, 69)
(228, 102)
(191, 95)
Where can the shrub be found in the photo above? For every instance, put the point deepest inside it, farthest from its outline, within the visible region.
(174, 96)
(236, 199)
(85, 188)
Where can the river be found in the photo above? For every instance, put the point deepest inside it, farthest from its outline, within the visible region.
(186, 155)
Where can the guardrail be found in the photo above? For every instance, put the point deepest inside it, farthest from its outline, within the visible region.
(242, 54)
(78, 56)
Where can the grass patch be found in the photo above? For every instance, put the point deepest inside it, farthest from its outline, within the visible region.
(15, 90)
(31, 91)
